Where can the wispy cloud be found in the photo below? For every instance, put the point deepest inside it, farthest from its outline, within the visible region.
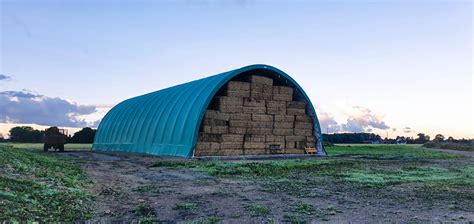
(27, 107)
(5, 77)
(407, 130)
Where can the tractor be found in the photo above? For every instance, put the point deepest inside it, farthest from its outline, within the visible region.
(54, 138)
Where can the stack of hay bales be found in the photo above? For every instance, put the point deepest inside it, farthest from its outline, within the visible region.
(254, 117)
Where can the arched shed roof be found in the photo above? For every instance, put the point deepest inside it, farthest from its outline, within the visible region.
(166, 122)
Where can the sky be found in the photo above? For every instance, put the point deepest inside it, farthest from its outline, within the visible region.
(387, 67)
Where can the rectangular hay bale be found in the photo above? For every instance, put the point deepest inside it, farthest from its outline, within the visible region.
(303, 118)
(284, 118)
(262, 117)
(295, 138)
(232, 138)
(231, 145)
(303, 125)
(215, 129)
(259, 131)
(215, 114)
(238, 86)
(239, 123)
(254, 138)
(283, 125)
(237, 130)
(206, 137)
(260, 124)
(240, 117)
(274, 138)
(260, 80)
(254, 103)
(295, 111)
(254, 145)
(254, 110)
(283, 131)
(304, 132)
(296, 104)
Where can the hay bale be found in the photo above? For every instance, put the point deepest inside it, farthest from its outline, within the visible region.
(310, 139)
(282, 93)
(284, 118)
(283, 131)
(254, 110)
(254, 103)
(290, 144)
(256, 79)
(240, 117)
(238, 89)
(214, 122)
(208, 146)
(239, 123)
(231, 145)
(274, 138)
(259, 131)
(260, 124)
(295, 111)
(262, 117)
(237, 130)
(295, 138)
(282, 90)
(303, 118)
(296, 104)
(215, 129)
(238, 86)
(206, 137)
(228, 104)
(303, 125)
(232, 138)
(283, 125)
(254, 145)
(254, 138)
(276, 107)
(257, 95)
(304, 132)
(215, 114)
(231, 152)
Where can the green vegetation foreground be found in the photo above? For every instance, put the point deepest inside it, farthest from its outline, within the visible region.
(41, 187)
(392, 182)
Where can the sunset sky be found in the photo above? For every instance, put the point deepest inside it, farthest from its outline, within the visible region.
(388, 67)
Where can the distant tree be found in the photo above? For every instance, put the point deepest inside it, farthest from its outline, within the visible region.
(25, 134)
(86, 135)
(450, 139)
(422, 138)
(439, 138)
(53, 130)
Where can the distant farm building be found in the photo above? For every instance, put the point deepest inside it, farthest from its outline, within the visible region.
(254, 110)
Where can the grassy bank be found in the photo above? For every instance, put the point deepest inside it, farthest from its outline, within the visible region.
(36, 186)
(39, 146)
(369, 164)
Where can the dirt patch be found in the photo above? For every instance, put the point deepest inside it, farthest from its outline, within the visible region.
(129, 188)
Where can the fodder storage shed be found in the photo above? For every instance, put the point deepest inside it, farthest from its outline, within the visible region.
(253, 110)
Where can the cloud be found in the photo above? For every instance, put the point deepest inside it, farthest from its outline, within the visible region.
(5, 77)
(407, 130)
(358, 119)
(328, 123)
(31, 108)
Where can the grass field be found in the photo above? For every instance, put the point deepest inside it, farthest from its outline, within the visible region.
(39, 146)
(411, 180)
(40, 186)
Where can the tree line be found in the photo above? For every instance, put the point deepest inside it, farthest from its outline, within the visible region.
(361, 138)
(27, 134)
